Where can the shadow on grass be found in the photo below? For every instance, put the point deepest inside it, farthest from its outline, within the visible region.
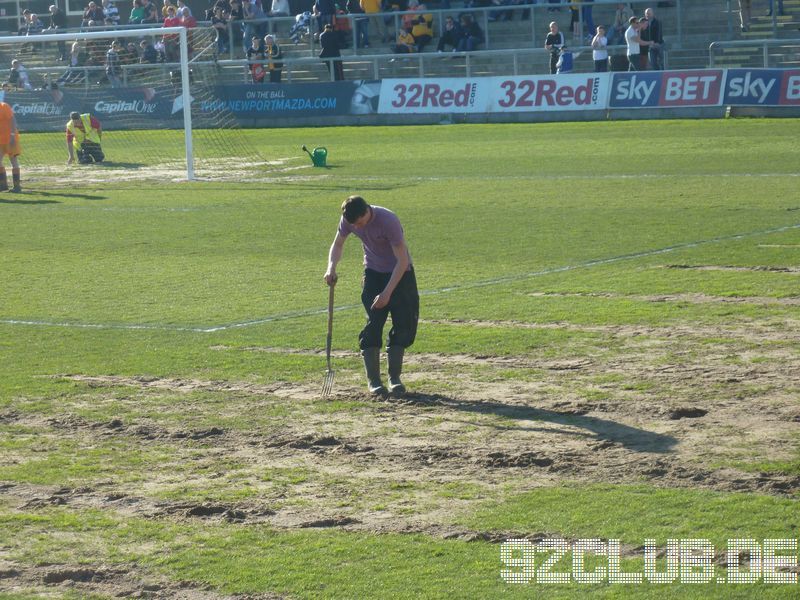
(107, 164)
(20, 199)
(333, 185)
(60, 194)
(631, 438)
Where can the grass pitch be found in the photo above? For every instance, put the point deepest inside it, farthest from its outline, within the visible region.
(608, 349)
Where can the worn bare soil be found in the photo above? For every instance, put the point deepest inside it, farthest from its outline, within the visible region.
(675, 406)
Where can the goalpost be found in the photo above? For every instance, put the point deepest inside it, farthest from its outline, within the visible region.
(160, 120)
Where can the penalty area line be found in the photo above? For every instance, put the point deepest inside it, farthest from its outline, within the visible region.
(433, 292)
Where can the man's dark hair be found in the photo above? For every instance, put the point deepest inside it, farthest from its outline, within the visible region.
(354, 208)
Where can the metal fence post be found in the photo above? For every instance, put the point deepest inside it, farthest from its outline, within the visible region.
(730, 20)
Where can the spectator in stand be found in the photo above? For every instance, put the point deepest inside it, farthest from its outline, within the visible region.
(172, 40)
(588, 20)
(622, 19)
(600, 50)
(35, 25)
(255, 54)
(274, 54)
(58, 20)
(189, 22)
(634, 43)
(745, 13)
(329, 44)
(372, 8)
(644, 26)
(137, 13)
(360, 23)
(471, 34)
(111, 12)
(172, 19)
(324, 11)
(422, 32)
(654, 36)
(24, 20)
(553, 44)
(76, 59)
(150, 12)
(235, 18)
(165, 8)
(407, 21)
(220, 24)
(92, 12)
(187, 18)
(253, 19)
(564, 64)
(149, 54)
(574, 19)
(113, 70)
(18, 76)
(129, 54)
(281, 8)
(405, 42)
(499, 15)
(771, 6)
(450, 36)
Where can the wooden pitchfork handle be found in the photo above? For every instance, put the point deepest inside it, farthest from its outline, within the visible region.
(330, 325)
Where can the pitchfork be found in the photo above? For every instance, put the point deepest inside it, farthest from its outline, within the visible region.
(327, 383)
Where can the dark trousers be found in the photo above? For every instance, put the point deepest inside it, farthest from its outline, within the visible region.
(553, 63)
(90, 152)
(403, 306)
(337, 69)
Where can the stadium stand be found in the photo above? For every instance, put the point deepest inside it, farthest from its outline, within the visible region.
(512, 46)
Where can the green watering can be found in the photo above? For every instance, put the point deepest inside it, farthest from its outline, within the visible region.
(318, 156)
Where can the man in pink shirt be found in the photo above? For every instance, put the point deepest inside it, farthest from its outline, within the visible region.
(390, 287)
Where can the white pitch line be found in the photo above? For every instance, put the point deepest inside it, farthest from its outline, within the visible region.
(433, 292)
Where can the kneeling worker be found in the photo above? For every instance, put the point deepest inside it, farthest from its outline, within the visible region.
(83, 138)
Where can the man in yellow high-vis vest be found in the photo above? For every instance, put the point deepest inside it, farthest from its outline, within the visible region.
(84, 134)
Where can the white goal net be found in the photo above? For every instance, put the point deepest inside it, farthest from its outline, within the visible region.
(137, 84)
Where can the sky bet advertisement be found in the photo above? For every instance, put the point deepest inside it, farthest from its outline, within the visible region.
(157, 108)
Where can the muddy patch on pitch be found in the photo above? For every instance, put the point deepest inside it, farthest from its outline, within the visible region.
(279, 389)
(759, 268)
(125, 581)
(680, 298)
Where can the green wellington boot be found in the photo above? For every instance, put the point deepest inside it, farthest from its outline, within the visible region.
(372, 365)
(395, 354)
